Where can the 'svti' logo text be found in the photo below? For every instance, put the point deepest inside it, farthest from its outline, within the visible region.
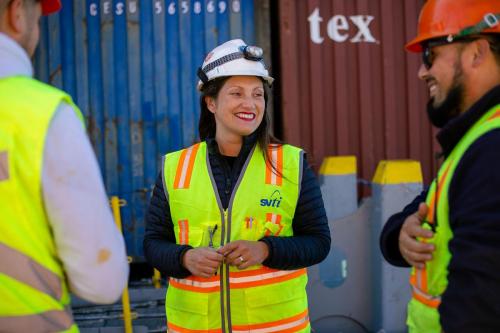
(273, 201)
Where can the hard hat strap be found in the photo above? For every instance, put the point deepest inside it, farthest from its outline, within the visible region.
(252, 53)
(490, 20)
(223, 60)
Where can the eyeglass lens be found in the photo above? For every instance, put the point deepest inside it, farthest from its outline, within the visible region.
(427, 57)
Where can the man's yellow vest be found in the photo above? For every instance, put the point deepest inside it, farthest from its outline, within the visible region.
(430, 283)
(33, 291)
(262, 204)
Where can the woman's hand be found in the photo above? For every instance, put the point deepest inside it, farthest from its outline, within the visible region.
(202, 261)
(243, 254)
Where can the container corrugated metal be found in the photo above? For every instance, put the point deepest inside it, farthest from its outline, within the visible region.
(348, 86)
(130, 66)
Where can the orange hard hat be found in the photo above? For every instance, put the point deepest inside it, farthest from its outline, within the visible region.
(50, 6)
(455, 18)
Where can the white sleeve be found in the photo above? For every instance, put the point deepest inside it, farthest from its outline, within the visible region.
(89, 244)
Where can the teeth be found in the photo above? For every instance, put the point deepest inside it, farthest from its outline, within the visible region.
(246, 115)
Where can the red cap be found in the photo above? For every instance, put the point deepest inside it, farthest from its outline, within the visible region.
(50, 6)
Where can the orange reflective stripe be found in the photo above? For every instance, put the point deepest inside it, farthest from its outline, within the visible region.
(244, 279)
(275, 219)
(22, 268)
(432, 205)
(291, 324)
(422, 279)
(431, 301)
(177, 329)
(197, 284)
(413, 279)
(495, 115)
(430, 212)
(419, 279)
(50, 321)
(274, 165)
(183, 232)
(264, 279)
(185, 167)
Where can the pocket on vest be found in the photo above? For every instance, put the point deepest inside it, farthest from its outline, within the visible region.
(275, 301)
(186, 309)
(188, 235)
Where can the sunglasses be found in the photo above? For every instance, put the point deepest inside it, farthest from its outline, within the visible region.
(428, 55)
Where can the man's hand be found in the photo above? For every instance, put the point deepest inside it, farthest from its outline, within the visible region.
(416, 253)
(202, 261)
(244, 254)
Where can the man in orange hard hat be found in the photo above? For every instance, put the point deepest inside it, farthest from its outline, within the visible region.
(450, 234)
(56, 229)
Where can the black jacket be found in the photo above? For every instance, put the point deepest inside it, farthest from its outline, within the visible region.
(309, 245)
(471, 302)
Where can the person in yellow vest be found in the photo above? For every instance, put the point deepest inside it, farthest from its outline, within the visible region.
(235, 219)
(56, 229)
(450, 234)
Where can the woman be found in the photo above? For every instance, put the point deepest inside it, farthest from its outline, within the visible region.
(234, 220)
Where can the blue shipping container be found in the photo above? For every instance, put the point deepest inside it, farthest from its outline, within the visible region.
(131, 68)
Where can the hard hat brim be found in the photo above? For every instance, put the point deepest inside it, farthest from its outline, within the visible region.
(268, 79)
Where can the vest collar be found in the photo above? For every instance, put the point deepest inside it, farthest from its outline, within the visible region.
(451, 134)
(14, 61)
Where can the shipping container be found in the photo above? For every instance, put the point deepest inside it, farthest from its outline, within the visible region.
(347, 85)
(131, 68)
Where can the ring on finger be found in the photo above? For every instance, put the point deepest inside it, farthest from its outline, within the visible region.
(241, 259)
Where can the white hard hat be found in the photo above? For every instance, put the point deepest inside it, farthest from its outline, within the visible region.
(233, 58)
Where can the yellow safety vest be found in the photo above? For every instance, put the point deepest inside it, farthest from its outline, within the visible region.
(429, 284)
(33, 291)
(256, 299)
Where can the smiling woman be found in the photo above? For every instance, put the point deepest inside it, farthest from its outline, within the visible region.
(235, 219)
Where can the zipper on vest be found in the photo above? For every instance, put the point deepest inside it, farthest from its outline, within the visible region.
(226, 326)
(225, 305)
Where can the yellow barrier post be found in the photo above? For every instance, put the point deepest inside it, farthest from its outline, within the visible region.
(127, 317)
(156, 279)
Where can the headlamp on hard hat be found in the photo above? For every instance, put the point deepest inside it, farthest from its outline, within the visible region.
(253, 53)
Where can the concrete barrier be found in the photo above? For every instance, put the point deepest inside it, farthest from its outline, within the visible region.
(338, 286)
(395, 184)
(354, 290)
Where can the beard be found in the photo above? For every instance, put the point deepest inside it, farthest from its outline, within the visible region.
(440, 114)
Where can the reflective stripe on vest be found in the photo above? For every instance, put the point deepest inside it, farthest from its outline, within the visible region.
(185, 167)
(4, 165)
(289, 325)
(177, 329)
(245, 279)
(273, 224)
(419, 278)
(183, 232)
(22, 268)
(274, 166)
(50, 321)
